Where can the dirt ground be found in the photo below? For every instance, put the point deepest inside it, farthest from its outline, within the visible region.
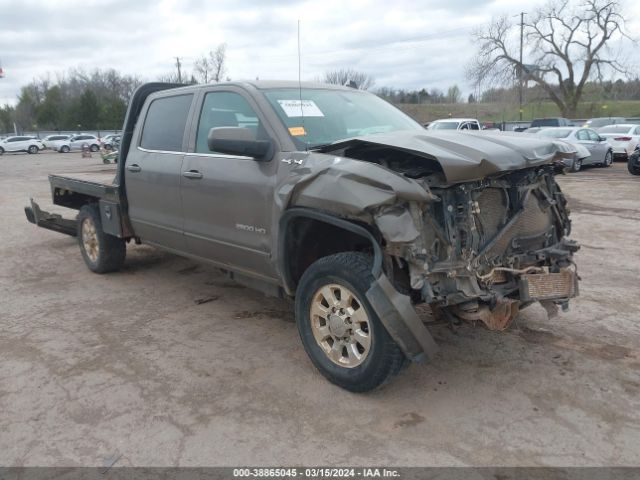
(167, 363)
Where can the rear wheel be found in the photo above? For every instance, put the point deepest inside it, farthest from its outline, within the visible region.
(577, 165)
(33, 149)
(94, 148)
(64, 149)
(1, 151)
(341, 333)
(608, 159)
(101, 252)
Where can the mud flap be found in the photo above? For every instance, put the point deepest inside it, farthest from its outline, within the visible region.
(401, 320)
(50, 221)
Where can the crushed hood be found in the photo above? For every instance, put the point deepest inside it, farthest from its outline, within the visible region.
(465, 156)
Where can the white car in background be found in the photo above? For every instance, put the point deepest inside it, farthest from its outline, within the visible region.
(623, 138)
(455, 124)
(50, 140)
(76, 142)
(19, 143)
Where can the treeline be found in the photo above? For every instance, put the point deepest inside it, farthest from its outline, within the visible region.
(76, 100)
(593, 92)
(434, 95)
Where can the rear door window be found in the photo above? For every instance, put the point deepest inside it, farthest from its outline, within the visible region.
(165, 123)
(583, 135)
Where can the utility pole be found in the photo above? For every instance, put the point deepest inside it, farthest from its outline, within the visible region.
(178, 64)
(521, 67)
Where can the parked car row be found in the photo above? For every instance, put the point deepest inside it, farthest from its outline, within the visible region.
(62, 143)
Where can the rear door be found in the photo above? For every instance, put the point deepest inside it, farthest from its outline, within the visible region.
(153, 171)
(228, 199)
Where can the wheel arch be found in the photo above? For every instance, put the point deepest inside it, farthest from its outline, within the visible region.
(298, 225)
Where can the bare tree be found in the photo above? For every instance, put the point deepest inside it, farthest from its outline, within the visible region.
(211, 67)
(345, 76)
(567, 42)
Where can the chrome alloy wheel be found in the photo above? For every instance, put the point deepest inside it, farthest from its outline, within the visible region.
(340, 325)
(90, 239)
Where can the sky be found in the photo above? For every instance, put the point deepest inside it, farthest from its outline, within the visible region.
(401, 43)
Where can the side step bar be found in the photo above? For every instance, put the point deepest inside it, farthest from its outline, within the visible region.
(50, 221)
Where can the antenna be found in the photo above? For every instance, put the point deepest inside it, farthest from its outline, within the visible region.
(300, 85)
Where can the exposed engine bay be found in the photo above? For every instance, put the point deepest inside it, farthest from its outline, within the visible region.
(477, 250)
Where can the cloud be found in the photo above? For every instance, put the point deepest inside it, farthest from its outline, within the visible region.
(408, 44)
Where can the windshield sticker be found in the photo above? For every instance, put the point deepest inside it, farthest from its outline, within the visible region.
(297, 131)
(292, 108)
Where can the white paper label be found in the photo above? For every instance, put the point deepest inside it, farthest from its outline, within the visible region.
(292, 108)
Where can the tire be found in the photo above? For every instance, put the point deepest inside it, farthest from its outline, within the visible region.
(94, 148)
(380, 357)
(577, 165)
(101, 252)
(33, 149)
(633, 169)
(65, 149)
(608, 160)
(1, 151)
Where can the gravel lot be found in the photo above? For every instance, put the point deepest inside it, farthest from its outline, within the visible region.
(168, 363)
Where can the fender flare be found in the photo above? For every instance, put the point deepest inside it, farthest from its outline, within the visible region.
(297, 212)
(394, 309)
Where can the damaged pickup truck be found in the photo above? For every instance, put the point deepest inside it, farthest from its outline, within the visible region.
(334, 197)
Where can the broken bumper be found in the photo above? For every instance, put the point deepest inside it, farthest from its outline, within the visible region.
(50, 221)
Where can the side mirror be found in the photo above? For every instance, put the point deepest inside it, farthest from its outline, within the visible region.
(602, 139)
(238, 141)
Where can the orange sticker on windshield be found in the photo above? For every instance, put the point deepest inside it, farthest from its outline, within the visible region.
(297, 131)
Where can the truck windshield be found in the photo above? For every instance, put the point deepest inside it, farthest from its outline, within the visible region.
(326, 116)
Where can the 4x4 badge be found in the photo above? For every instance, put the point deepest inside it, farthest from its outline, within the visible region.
(288, 161)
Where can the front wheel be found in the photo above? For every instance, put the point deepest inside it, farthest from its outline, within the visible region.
(633, 164)
(608, 159)
(340, 332)
(33, 149)
(1, 151)
(101, 252)
(64, 149)
(94, 148)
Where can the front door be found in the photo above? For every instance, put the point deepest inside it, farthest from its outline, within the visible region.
(227, 199)
(153, 172)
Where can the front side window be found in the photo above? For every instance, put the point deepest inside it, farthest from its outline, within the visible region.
(593, 136)
(225, 109)
(165, 123)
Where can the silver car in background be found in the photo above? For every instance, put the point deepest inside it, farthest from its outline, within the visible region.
(600, 151)
(76, 142)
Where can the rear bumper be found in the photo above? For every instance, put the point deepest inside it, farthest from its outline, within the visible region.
(50, 221)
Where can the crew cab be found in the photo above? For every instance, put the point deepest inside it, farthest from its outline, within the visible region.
(332, 196)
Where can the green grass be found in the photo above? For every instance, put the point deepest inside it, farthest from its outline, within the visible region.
(498, 112)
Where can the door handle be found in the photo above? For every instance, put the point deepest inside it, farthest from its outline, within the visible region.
(135, 168)
(193, 174)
